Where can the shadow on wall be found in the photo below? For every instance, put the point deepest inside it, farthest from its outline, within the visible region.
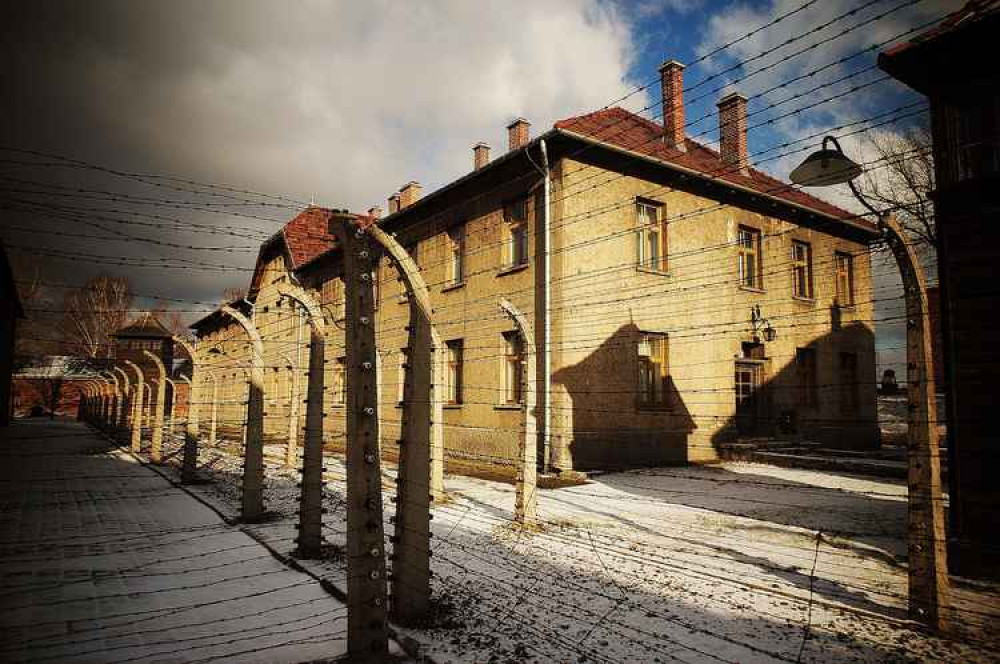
(608, 428)
(825, 393)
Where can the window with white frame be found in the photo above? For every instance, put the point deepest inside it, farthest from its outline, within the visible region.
(844, 266)
(456, 255)
(749, 262)
(515, 233)
(653, 376)
(453, 376)
(651, 236)
(802, 275)
(340, 381)
(513, 378)
(401, 375)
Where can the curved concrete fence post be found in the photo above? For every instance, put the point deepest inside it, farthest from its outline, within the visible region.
(191, 433)
(311, 500)
(156, 443)
(168, 413)
(929, 585)
(292, 439)
(526, 497)
(421, 462)
(253, 461)
(137, 397)
(123, 410)
(214, 413)
(116, 399)
(367, 630)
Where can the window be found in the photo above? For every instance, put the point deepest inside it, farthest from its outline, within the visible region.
(749, 264)
(805, 367)
(332, 298)
(973, 137)
(652, 236)
(849, 397)
(653, 370)
(844, 265)
(401, 375)
(340, 381)
(456, 256)
(515, 241)
(802, 277)
(453, 377)
(513, 379)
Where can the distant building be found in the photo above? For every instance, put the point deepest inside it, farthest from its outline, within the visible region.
(951, 64)
(10, 312)
(146, 333)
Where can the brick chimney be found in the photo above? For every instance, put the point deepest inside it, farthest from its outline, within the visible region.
(518, 134)
(672, 90)
(394, 203)
(733, 131)
(409, 194)
(375, 212)
(480, 155)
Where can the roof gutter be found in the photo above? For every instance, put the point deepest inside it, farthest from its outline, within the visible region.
(871, 230)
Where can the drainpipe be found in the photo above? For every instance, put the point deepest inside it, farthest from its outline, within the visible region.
(547, 327)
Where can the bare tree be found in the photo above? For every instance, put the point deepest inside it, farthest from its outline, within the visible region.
(93, 313)
(172, 320)
(905, 183)
(233, 293)
(34, 333)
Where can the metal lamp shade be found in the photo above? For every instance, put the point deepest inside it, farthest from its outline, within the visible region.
(825, 167)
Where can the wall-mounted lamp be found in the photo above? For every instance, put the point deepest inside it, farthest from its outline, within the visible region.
(761, 326)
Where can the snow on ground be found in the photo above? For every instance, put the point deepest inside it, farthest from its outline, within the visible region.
(730, 563)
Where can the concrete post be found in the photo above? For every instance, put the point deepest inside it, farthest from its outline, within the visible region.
(189, 465)
(930, 601)
(115, 399)
(136, 437)
(292, 439)
(311, 502)
(420, 440)
(213, 424)
(253, 460)
(156, 446)
(168, 416)
(123, 410)
(526, 500)
(367, 632)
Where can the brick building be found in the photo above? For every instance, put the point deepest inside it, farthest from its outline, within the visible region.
(689, 299)
(10, 312)
(947, 64)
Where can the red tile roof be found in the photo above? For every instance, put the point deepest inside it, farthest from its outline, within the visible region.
(623, 129)
(308, 235)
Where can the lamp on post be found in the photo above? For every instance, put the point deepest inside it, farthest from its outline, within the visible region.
(928, 570)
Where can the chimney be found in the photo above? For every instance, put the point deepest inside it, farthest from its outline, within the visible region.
(733, 131)
(672, 91)
(375, 212)
(518, 134)
(480, 155)
(394, 203)
(409, 194)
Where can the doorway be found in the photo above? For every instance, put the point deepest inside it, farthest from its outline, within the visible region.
(747, 382)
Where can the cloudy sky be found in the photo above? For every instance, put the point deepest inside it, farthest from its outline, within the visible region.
(343, 102)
